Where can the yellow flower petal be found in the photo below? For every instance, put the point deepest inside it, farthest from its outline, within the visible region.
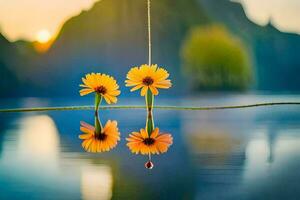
(148, 77)
(85, 91)
(101, 84)
(144, 90)
(153, 90)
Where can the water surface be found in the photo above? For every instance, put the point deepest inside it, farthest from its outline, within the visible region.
(230, 154)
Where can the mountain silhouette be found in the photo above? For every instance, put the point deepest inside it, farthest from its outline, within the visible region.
(9, 81)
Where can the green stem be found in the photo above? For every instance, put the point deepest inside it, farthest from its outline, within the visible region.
(98, 125)
(149, 104)
(98, 99)
(183, 108)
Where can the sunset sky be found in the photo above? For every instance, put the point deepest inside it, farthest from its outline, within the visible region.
(37, 19)
(284, 13)
(41, 19)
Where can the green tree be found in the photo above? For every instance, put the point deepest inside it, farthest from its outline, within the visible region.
(215, 60)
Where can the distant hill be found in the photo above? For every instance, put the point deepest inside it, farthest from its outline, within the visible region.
(9, 81)
(276, 55)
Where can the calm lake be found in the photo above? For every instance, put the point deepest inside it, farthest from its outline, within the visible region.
(251, 153)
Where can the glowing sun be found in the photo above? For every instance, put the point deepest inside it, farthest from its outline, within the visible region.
(43, 36)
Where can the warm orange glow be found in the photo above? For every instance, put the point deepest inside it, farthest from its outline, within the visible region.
(43, 47)
(44, 40)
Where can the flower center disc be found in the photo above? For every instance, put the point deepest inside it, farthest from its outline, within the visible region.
(101, 136)
(101, 90)
(149, 141)
(148, 80)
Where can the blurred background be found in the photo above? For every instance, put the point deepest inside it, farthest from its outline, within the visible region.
(218, 52)
(209, 45)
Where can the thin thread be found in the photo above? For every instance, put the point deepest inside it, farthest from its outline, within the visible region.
(69, 108)
(149, 32)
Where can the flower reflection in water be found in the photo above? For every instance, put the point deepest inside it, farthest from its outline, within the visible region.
(97, 142)
(96, 182)
(147, 144)
(143, 143)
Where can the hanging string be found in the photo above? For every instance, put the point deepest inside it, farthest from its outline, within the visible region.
(149, 32)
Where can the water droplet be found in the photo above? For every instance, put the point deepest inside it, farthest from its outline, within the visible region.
(149, 164)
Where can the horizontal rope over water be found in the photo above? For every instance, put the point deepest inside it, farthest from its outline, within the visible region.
(70, 108)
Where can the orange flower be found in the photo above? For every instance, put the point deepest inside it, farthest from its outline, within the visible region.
(102, 84)
(102, 142)
(148, 77)
(140, 142)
